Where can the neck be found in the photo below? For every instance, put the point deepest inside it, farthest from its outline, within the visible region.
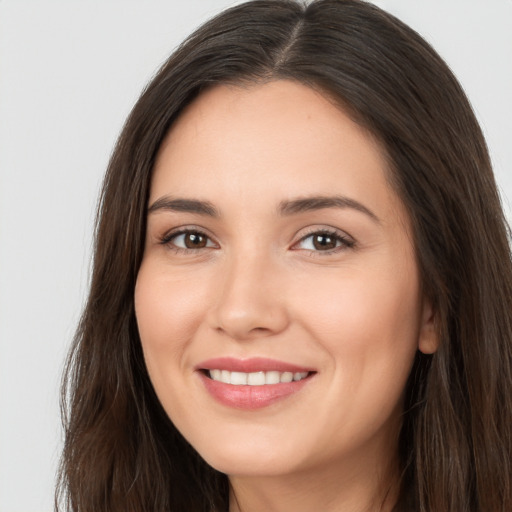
(355, 487)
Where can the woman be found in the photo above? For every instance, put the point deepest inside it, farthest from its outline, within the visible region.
(302, 282)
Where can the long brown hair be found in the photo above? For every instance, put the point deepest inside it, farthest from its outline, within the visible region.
(122, 453)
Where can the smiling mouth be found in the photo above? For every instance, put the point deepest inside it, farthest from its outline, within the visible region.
(260, 378)
(253, 383)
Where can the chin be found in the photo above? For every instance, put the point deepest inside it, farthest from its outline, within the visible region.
(251, 463)
(249, 455)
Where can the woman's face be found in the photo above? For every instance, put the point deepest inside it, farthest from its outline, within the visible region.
(276, 250)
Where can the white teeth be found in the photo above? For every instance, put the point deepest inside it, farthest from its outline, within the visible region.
(238, 378)
(272, 377)
(255, 378)
(287, 377)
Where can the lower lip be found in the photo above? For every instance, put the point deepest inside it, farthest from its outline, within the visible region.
(251, 397)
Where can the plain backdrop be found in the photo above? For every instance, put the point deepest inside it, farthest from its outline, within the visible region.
(69, 74)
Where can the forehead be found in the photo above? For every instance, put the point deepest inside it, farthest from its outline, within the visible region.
(269, 141)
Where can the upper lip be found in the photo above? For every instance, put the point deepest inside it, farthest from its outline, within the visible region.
(254, 364)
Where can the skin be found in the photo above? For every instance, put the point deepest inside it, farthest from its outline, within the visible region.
(259, 287)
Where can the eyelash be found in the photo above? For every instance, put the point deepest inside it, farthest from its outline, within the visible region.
(168, 238)
(344, 241)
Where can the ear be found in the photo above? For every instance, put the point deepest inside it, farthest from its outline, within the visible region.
(428, 341)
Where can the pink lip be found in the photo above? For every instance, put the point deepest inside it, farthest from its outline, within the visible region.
(254, 364)
(250, 397)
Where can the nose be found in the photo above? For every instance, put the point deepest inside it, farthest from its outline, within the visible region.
(251, 299)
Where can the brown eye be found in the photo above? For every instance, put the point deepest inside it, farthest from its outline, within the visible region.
(188, 240)
(324, 241)
(194, 240)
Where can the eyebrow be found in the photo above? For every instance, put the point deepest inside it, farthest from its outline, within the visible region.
(184, 205)
(285, 208)
(307, 204)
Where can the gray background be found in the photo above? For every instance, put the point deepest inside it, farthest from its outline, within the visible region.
(69, 73)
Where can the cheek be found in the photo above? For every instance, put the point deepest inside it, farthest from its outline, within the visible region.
(169, 310)
(368, 323)
(369, 329)
(359, 305)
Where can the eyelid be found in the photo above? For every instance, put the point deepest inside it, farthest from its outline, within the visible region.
(347, 241)
(168, 236)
